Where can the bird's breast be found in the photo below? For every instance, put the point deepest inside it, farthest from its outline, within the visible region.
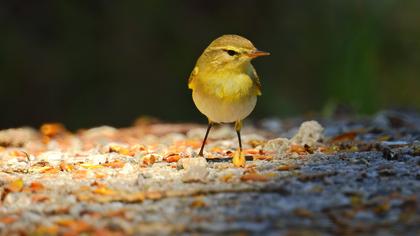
(227, 87)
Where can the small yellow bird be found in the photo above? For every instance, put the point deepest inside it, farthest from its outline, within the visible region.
(224, 83)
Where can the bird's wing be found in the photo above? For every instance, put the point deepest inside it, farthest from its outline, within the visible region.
(254, 76)
(193, 74)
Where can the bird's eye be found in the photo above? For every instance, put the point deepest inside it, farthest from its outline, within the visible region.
(231, 52)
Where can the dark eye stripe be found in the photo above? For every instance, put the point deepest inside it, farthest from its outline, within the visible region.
(231, 52)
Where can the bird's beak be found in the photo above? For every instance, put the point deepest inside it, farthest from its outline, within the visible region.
(257, 53)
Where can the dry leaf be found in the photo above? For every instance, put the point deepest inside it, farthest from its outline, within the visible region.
(18, 153)
(115, 164)
(121, 150)
(39, 198)
(49, 170)
(227, 177)
(91, 166)
(66, 167)
(287, 167)
(254, 177)
(103, 191)
(52, 129)
(15, 186)
(299, 149)
(173, 158)
(198, 203)
(8, 219)
(36, 186)
(149, 160)
(349, 136)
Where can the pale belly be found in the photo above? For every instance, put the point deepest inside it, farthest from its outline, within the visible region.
(220, 110)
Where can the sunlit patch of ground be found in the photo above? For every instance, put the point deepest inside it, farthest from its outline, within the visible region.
(349, 176)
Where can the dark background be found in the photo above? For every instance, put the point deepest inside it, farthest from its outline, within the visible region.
(87, 63)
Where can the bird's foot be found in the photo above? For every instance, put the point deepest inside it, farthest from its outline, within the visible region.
(238, 159)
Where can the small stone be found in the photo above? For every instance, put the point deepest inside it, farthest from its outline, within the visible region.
(54, 158)
(309, 133)
(195, 169)
(278, 145)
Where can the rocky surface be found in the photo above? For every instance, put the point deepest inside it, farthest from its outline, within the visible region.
(348, 176)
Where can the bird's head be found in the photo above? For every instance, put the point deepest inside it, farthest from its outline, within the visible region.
(231, 52)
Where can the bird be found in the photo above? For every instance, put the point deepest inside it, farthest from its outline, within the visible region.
(224, 83)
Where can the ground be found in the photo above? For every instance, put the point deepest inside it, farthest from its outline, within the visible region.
(349, 176)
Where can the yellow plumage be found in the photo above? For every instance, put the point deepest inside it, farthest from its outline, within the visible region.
(225, 85)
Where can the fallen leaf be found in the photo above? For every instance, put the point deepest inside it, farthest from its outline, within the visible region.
(80, 174)
(75, 226)
(302, 212)
(173, 158)
(149, 160)
(254, 177)
(39, 198)
(263, 157)
(50, 170)
(15, 186)
(103, 191)
(198, 203)
(115, 164)
(36, 186)
(349, 136)
(8, 219)
(296, 148)
(287, 167)
(227, 177)
(121, 150)
(91, 166)
(154, 195)
(18, 153)
(66, 167)
(46, 230)
(52, 129)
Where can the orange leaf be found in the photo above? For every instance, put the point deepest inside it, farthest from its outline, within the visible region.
(18, 153)
(263, 157)
(254, 177)
(149, 160)
(286, 167)
(36, 186)
(251, 151)
(173, 158)
(198, 203)
(227, 177)
(39, 198)
(46, 230)
(121, 150)
(77, 226)
(115, 164)
(52, 129)
(66, 167)
(80, 174)
(8, 219)
(344, 137)
(297, 149)
(90, 166)
(50, 170)
(103, 191)
(15, 186)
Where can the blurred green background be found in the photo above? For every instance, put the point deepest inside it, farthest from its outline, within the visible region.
(87, 63)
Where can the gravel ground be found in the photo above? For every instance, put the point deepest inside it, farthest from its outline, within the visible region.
(349, 176)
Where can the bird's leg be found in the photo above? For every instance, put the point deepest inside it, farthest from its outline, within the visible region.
(238, 126)
(205, 139)
(238, 159)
